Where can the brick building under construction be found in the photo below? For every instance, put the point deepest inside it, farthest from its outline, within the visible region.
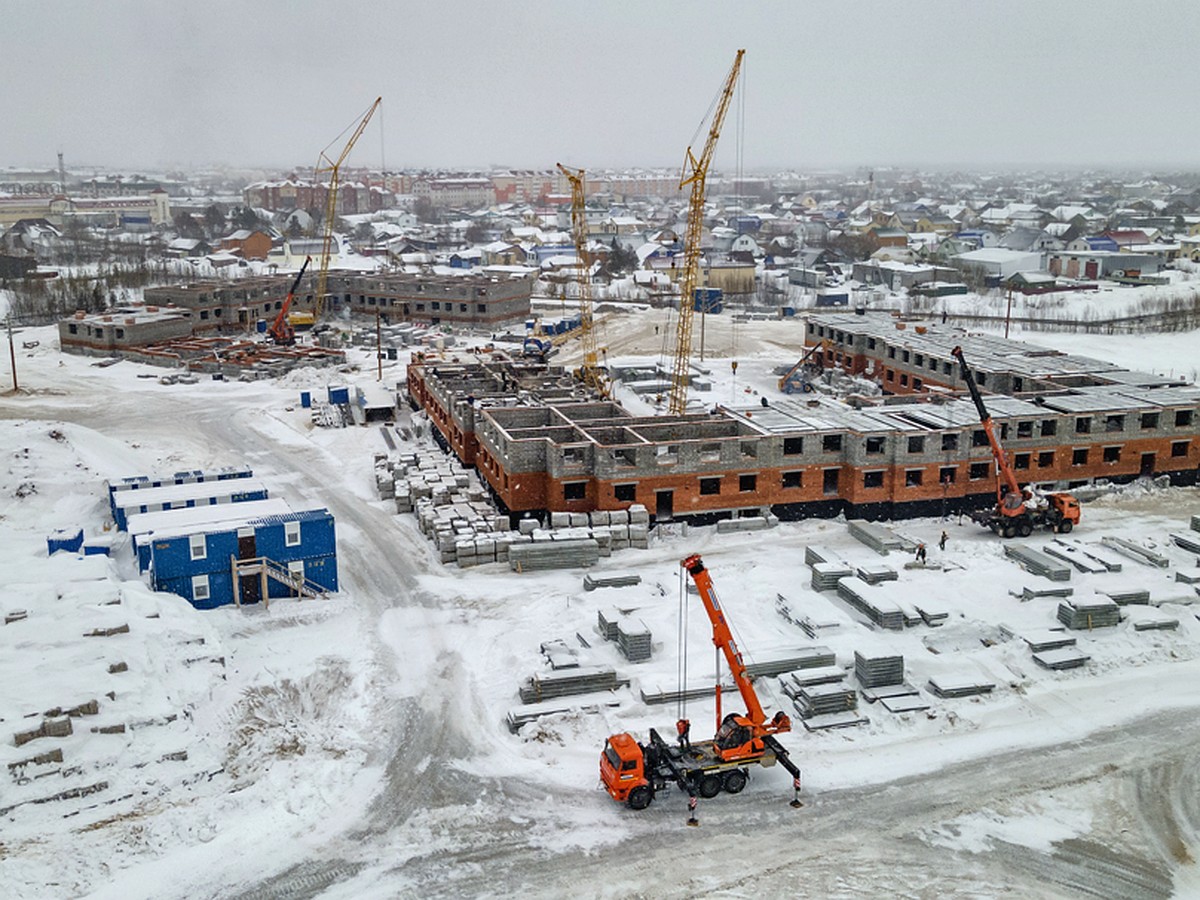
(1064, 420)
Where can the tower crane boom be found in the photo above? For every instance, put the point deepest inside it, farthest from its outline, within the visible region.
(695, 174)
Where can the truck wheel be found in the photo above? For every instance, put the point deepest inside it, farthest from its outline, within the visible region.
(1025, 529)
(1008, 531)
(640, 797)
(709, 787)
(1065, 526)
(735, 781)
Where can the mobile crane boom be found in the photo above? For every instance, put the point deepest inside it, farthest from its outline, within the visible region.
(281, 329)
(1003, 469)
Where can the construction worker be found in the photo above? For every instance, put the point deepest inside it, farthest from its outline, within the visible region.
(921, 554)
(684, 727)
(942, 542)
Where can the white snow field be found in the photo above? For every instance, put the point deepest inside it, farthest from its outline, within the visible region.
(356, 747)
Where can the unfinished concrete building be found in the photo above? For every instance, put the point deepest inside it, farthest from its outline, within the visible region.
(903, 456)
(121, 330)
(436, 299)
(219, 305)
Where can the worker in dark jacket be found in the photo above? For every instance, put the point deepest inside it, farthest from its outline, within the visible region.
(921, 554)
(684, 727)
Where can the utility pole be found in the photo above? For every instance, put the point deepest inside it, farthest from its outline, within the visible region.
(378, 346)
(12, 353)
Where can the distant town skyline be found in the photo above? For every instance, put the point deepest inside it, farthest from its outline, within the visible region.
(938, 85)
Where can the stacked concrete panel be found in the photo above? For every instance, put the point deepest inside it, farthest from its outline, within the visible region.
(877, 573)
(1047, 639)
(1129, 597)
(1189, 541)
(878, 671)
(656, 695)
(1135, 551)
(879, 538)
(1075, 557)
(542, 555)
(591, 582)
(580, 680)
(826, 575)
(872, 603)
(803, 658)
(1037, 562)
(793, 682)
(824, 699)
(959, 686)
(1096, 612)
(1063, 658)
(633, 639)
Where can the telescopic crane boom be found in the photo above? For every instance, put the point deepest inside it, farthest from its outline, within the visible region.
(695, 173)
(281, 329)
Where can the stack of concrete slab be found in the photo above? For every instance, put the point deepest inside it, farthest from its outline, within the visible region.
(817, 626)
(1074, 557)
(655, 695)
(1188, 576)
(878, 671)
(608, 620)
(1195, 524)
(959, 685)
(1094, 612)
(1188, 541)
(591, 582)
(871, 602)
(789, 661)
(877, 573)
(1135, 551)
(1102, 555)
(880, 539)
(793, 682)
(823, 699)
(1047, 639)
(826, 575)
(580, 680)
(815, 554)
(1150, 619)
(568, 554)
(534, 711)
(1039, 592)
(931, 613)
(620, 529)
(1129, 596)
(560, 655)
(633, 639)
(1037, 562)
(1063, 658)
(747, 523)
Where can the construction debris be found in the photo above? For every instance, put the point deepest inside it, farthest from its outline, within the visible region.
(1036, 562)
(1096, 612)
(1135, 551)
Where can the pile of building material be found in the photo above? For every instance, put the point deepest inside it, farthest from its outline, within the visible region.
(823, 699)
(826, 575)
(1063, 658)
(1047, 639)
(814, 554)
(1195, 523)
(1075, 557)
(657, 695)
(812, 624)
(747, 523)
(1135, 551)
(1188, 576)
(878, 538)
(608, 620)
(560, 655)
(1129, 597)
(1150, 619)
(877, 573)
(959, 686)
(1037, 593)
(932, 614)
(872, 603)
(619, 528)
(553, 554)
(1189, 542)
(579, 680)
(1037, 562)
(633, 639)
(878, 671)
(789, 661)
(1095, 612)
(591, 582)
(534, 711)
(793, 682)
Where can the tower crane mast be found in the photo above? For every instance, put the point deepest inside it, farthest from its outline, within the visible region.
(590, 373)
(695, 174)
(325, 164)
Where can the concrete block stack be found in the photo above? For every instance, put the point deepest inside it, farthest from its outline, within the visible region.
(618, 529)
(1095, 612)
(747, 523)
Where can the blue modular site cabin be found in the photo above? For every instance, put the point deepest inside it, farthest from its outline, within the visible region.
(196, 476)
(184, 496)
(282, 555)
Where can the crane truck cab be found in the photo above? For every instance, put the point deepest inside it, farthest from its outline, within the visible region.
(622, 770)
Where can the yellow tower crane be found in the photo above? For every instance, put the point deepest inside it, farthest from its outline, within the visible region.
(695, 173)
(590, 373)
(324, 165)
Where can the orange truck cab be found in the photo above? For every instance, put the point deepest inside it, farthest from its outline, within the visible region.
(622, 766)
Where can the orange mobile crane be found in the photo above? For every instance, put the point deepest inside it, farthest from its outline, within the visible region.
(282, 331)
(1017, 511)
(634, 773)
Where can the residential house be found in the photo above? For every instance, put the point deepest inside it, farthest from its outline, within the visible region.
(248, 244)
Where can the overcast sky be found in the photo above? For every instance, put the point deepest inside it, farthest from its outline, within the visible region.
(472, 84)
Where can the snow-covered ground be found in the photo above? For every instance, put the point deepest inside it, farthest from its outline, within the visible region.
(356, 747)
